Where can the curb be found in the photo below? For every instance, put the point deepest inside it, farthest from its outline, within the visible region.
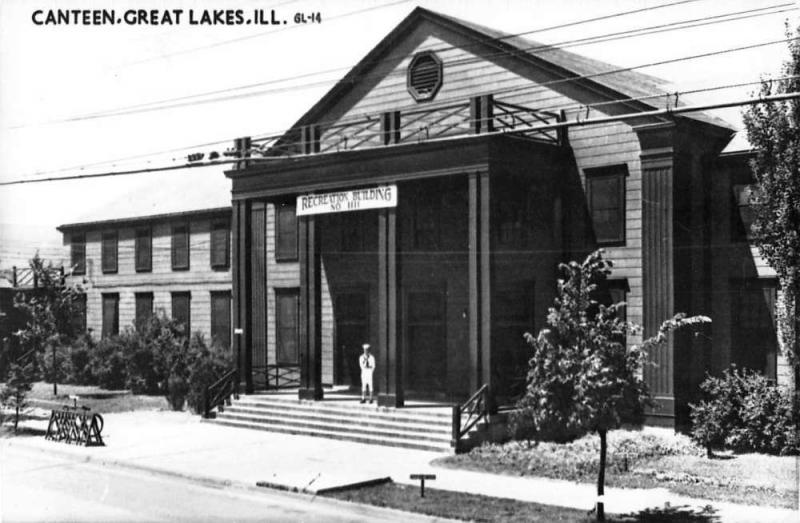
(214, 482)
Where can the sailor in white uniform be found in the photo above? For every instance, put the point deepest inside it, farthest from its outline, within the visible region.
(367, 363)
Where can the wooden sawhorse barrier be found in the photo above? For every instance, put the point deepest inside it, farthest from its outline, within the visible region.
(75, 425)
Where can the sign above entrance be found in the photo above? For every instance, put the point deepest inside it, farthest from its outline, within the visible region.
(355, 200)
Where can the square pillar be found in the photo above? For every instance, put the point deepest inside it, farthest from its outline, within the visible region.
(390, 367)
(480, 292)
(310, 311)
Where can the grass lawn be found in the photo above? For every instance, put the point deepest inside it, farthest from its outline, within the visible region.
(473, 507)
(646, 459)
(100, 400)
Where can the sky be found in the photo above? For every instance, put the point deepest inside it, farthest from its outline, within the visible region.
(73, 96)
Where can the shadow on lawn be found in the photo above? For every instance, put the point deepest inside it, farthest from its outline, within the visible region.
(670, 514)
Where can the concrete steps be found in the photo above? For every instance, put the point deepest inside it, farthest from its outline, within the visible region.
(420, 429)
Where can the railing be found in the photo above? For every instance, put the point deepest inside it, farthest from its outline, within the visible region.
(27, 278)
(218, 393)
(410, 126)
(475, 409)
(282, 376)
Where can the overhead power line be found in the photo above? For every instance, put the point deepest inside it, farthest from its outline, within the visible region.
(552, 108)
(603, 38)
(149, 106)
(540, 127)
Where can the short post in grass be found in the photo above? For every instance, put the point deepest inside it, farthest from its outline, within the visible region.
(422, 478)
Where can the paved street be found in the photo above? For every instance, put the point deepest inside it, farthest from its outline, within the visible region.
(35, 486)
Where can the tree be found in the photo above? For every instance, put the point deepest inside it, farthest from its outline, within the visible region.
(773, 130)
(15, 392)
(583, 377)
(50, 310)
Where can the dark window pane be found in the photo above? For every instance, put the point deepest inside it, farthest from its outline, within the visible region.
(144, 306)
(605, 188)
(180, 247)
(181, 310)
(109, 252)
(286, 240)
(144, 249)
(220, 245)
(78, 253)
(754, 335)
(110, 315)
(221, 318)
(286, 325)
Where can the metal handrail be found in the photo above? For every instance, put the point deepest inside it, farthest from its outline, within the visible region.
(220, 391)
(476, 409)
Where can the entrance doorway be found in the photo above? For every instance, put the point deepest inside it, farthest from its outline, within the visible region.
(351, 308)
(426, 341)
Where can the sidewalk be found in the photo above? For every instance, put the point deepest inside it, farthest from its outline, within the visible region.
(180, 444)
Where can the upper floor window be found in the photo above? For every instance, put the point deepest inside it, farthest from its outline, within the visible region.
(109, 252)
(220, 245)
(144, 250)
(285, 232)
(77, 246)
(180, 247)
(605, 190)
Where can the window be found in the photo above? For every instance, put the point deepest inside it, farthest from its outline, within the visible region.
(181, 310)
(286, 232)
(753, 329)
(77, 247)
(144, 250)
(144, 307)
(180, 247)
(109, 252)
(220, 245)
(79, 316)
(742, 215)
(287, 305)
(611, 291)
(605, 190)
(221, 318)
(110, 315)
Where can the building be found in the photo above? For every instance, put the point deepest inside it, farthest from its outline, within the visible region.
(130, 268)
(423, 204)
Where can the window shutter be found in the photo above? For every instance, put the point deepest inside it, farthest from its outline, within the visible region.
(144, 250)
(221, 318)
(287, 324)
(220, 246)
(144, 306)
(286, 248)
(180, 247)
(78, 253)
(109, 252)
(110, 315)
(181, 310)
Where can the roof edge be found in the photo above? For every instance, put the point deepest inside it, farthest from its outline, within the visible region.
(215, 211)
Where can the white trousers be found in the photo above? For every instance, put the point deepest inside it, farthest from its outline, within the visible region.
(366, 380)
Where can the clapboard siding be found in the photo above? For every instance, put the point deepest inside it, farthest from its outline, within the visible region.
(286, 275)
(200, 279)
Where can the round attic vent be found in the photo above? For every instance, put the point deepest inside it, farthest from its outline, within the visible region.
(424, 76)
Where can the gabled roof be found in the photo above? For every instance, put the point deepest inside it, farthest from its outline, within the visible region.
(619, 85)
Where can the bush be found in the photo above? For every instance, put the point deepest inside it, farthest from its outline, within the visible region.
(177, 388)
(81, 361)
(744, 412)
(206, 365)
(109, 365)
(63, 364)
